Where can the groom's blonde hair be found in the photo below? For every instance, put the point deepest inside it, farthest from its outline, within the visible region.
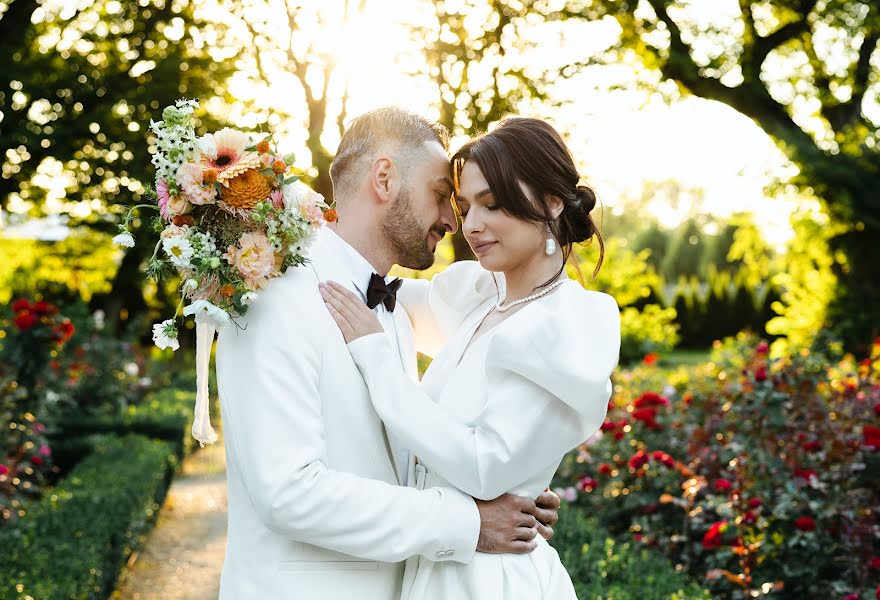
(391, 129)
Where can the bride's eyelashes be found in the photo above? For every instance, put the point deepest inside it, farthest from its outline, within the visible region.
(464, 213)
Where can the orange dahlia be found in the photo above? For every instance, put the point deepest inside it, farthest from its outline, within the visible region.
(243, 191)
(330, 215)
(263, 147)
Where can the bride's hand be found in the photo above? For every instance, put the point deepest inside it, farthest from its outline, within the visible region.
(354, 318)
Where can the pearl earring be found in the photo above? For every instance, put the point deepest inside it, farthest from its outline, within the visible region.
(550, 243)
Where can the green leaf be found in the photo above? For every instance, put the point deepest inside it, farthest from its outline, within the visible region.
(291, 179)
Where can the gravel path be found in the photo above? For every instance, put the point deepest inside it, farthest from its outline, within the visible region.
(183, 554)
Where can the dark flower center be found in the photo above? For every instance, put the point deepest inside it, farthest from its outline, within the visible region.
(223, 160)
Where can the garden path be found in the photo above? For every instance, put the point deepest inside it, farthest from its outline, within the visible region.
(183, 554)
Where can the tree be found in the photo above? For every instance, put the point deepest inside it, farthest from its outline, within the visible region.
(275, 55)
(802, 70)
(77, 88)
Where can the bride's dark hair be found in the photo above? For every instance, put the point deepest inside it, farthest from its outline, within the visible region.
(530, 151)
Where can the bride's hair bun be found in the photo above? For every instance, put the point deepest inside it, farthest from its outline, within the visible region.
(579, 224)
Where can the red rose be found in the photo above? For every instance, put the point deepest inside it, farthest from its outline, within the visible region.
(804, 473)
(618, 435)
(872, 436)
(668, 461)
(44, 308)
(63, 331)
(4, 470)
(761, 374)
(638, 460)
(26, 320)
(875, 562)
(755, 502)
(644, 414)
(587, 484)
(852, 596)
(722, 485)
(877, 408)
(650, 399)
(606, 426)
(622, 423)
(658, 454)
(712, 539)
(37, 460)
(650, 358)
(805, 523)
(750, 517)
(813, 446)
(605, 469)
(20, 305)
(762, 348)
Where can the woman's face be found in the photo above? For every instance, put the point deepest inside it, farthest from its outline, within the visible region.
(500, 241)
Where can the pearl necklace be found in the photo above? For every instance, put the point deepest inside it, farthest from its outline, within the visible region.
(543, 292)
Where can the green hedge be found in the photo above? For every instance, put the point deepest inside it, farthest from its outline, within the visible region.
(166, 415)
(604, 569)
(74, 540)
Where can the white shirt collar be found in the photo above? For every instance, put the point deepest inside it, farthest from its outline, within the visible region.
(360, 268)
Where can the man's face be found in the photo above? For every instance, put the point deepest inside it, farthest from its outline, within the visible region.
(422, 212)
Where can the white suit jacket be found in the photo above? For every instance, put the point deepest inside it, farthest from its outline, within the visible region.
(315, 509)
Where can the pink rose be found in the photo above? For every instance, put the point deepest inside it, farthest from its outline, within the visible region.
(253, 258)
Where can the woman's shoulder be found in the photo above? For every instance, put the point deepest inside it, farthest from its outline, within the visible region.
(566, 341)
(463, 286)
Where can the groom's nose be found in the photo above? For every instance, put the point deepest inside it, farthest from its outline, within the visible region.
(448, 218)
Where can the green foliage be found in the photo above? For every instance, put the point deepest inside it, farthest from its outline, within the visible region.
(165, 414)
(603, 568)
(79, 266)
(651, 329)
(73, 542)
(808, 285)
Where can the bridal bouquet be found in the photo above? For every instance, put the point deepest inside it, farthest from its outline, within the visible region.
(230, 219)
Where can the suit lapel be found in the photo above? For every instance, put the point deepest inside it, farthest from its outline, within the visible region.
(325, 261)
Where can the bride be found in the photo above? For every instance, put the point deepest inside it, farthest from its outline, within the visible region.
(522, 354)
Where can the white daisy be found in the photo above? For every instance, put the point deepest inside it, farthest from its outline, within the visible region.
(124, 239)
(179, 250)
(165, 335)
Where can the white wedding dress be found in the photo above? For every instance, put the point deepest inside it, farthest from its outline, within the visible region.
(496, 415)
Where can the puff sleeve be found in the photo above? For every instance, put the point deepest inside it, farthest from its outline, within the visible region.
(437, 307)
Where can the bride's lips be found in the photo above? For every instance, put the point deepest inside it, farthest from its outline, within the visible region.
(482, 247)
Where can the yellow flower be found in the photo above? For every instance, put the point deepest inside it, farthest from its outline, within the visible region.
(243, 191)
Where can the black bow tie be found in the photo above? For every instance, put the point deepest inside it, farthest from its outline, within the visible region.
(381, 292)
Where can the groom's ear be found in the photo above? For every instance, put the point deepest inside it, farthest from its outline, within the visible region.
(384, 178)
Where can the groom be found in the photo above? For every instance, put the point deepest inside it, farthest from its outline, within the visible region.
(318, 500)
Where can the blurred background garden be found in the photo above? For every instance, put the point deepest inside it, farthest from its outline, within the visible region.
(734, 147)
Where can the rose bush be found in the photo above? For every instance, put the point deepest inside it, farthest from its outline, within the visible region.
(758, 474)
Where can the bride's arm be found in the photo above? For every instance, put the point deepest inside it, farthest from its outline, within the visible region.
(522, 429)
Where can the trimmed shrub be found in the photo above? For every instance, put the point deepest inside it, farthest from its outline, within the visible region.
(73, 542)
(602, 568)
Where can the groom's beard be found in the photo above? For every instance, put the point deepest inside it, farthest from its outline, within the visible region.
(408, 240)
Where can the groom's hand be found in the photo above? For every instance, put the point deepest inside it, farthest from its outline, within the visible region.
(507, 525)
(547, 513)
